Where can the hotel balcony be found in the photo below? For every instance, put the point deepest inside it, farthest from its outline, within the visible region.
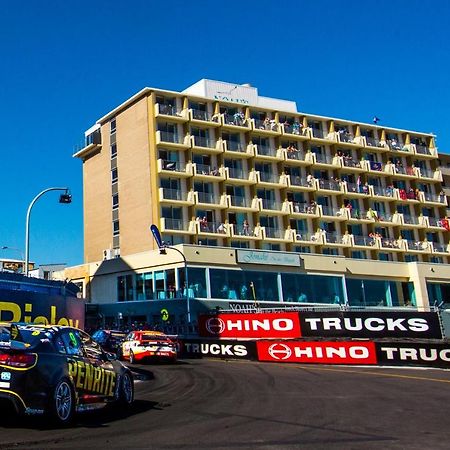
(171, 113)
(295, 131)
(418, 246)
(384, 193)
(376, 168)
(235, 122)
(268, 153)
(238, 149)
(265, 127)
(246, 234)
(356, 190)
(434, 199)
(239, 176)
(356, 215)
(210, 200)
(206, 145)
(423, 151)
(395, 146)
(303, 210)
(319, 136)
(393, 245)
(365, 242)
(92, 144)
(434, 223)
(175, 197)
(305, 237)
(271, 179)
(408, 221)
(430, 175)
(298, 183)
(200, 117)
(404, 172)
(243, 204)
(330, 187)
(172, 140)
(375, 144)
(332, 213)
(320, 161)
(347, 139)
(277, 234)
(352, 165)
(296, 158)
(337, 239)
(177, 226)
(174, 168)
(389, 220)
(273, 207)
(207, 172)
(216, 229)
(441, 248)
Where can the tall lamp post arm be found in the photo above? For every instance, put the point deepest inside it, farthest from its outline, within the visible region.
(188, 307)
(27, 223)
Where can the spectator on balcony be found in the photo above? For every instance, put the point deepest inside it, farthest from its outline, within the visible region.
(310, 179)
(266, 124)
(296, 127)
(417, 194)
(273, 125)
(238, 118)
(245, 228)
(204, 224)
(221, 228)
(389, 190)
(372, 238)
(442, 196)
(215, 171)
(312, 207)
(445, 223)
(371, 214)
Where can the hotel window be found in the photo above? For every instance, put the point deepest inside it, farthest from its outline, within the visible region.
(116, 228)
(115, 201)
(125, 288)
(113, 150)
(114, 175)
(113, 126)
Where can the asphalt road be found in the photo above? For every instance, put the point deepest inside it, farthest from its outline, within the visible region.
(211, 404)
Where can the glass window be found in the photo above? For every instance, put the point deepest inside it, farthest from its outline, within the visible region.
(114, 175)
(113, 150)
(113, 125)
(312, 288)
(365, 292)
(91, 348)
(125, 288)
(144, 286)
(115, 201)
(116, 228)
(72, 342)
(197, 280)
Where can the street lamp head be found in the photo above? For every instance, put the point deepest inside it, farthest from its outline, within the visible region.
(65, 198)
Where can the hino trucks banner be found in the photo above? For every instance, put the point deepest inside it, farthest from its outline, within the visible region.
(330, 324)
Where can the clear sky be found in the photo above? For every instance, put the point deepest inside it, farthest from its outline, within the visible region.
(64, 64)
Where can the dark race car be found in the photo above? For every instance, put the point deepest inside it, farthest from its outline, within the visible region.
(110, 340)
(58, 370)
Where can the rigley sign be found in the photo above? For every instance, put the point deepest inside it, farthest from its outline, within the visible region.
(292, 325)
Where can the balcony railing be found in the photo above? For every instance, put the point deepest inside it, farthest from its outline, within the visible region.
(294, 128)
(297, 155)
(175, 166)
(304, 236)
(333, 238)
(389, 243)
(206, 197)
(363, 240)
(168, 136)
(383, 191)
(426, 173)
(168, 110)
(172, 194)
(266, 150)
(436, 198)
(323, 159)
(331, 185)
(214, 227)
(330, 210)
(173, 224)
(434, 222)
(203, 141)
(300, 181)
(345, 136)
(205, 169)
(374, 142)
(422, 150)
(441, 248)
(269, 177)
(274, 233)
(410, 220)
(239, 201)
(235, 146)
(198, 114)
(317, 133)
(266, 124)
(350, 162)
(236, 173)
(417, 245)
(396, 146)
(304, 208)
(237, 119)
(270, 204)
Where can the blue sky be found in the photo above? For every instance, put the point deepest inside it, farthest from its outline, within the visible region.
(64, 64)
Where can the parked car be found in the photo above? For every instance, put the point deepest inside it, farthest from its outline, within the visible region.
(58, 370)
(140, 345)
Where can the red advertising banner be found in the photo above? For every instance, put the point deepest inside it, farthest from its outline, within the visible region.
(317, 352)
(261, 325)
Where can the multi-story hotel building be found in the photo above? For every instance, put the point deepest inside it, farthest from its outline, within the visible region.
(268, 202)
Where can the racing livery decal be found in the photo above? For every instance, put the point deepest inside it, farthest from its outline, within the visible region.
(261, 325)
(317, 352)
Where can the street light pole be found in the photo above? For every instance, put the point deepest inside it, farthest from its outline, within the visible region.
(64, 198)
(188, 306)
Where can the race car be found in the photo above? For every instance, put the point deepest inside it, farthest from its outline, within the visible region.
(110, 340)
(140, 345)
(58, 370)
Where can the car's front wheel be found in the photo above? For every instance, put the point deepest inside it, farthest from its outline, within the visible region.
(62, 406)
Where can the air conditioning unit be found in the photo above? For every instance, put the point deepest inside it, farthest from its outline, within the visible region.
(107, 254)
